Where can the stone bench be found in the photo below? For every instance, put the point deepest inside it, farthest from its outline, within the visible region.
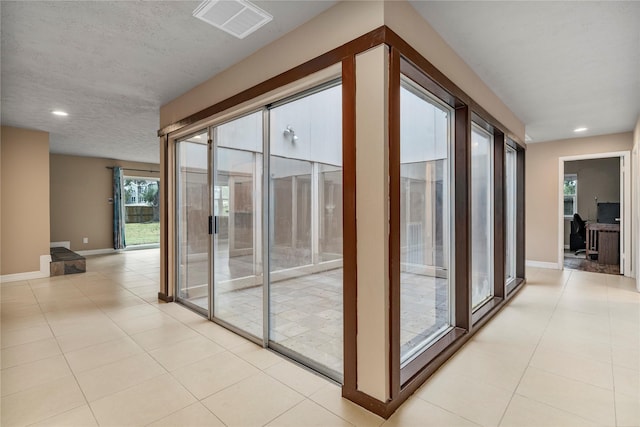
(64, 261)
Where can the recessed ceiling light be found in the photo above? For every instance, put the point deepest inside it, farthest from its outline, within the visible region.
(579, 129)
(59, 113)
(197, 137)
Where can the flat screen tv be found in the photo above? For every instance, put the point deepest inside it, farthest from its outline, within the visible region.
(608, 212)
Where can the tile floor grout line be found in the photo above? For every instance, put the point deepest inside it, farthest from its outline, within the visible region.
(573, 414)
(555, 307)
(338, 415)
(442, 408)
(145, 351)
(192, 363)
(562, 376)
(263, 371)
(313, 402)
(613, 376)
(181, 409)
(563, 299)
(117, 326)
(75, 378)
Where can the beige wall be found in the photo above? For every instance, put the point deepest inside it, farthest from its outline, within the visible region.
(372, 207)
(25, 199)
(596, 178)
(542, 191)
(334, 27)
(403, 19)
(340, 24)
(80, 192)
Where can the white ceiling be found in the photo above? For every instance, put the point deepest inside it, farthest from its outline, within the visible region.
(111, 65)
(556, 65)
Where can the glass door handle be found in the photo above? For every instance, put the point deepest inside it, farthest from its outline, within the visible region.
(213, 224)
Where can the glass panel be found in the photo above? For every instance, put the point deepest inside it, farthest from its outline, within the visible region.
(142, 210)
(237, 194)
(291, 228)
(425, 283)
(570, 194)
(330, 212)
(481, 216)
(511, 182)
(306, 229)
(193, 220)
(568, 206)
(570, 184)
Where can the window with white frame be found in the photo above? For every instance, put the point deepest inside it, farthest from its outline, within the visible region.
(570, 193)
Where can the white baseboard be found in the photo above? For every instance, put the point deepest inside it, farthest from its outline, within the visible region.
(540, 264)
(45, 261)
(66, 244)
(140, 247)
(97, 252)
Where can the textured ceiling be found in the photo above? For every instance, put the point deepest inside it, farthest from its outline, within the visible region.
(112, 64)
(557, 65)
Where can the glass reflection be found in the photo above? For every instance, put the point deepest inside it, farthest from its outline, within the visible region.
(425, 279)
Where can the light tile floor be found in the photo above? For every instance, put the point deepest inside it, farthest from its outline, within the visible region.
(98, 349)
(306, 311)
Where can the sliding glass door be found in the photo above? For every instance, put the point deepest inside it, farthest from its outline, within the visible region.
(305, 236)
(274, 257)
(193, 204)
(237, 223)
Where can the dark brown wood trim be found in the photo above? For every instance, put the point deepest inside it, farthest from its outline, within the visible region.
(350, 272)
(511, 143)
(369, 403)
(462, 219)
(461, 159)
(373, 38)
(450, 88)
(499, 231)
(425, 67)
(386, 409)
(408, 69)
(492, 121)
(164, 297)
(515, 285)
(334, 56)
(164, 293)
(430, 354)
(485, 309)
(394, 220)
(520, 214)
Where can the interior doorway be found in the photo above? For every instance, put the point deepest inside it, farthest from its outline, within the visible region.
(594, 213)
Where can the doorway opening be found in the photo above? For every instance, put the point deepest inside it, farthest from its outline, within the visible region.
(141, 211)
(594, 213)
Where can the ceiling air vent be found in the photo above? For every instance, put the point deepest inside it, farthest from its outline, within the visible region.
(237, 17)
